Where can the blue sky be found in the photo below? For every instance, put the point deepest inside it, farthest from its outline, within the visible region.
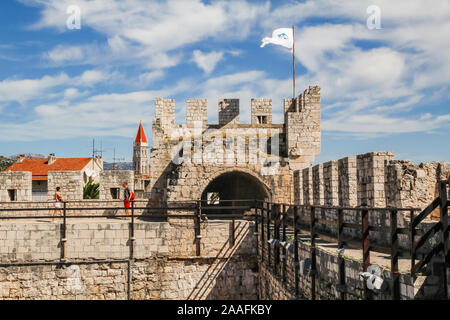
(385, 89)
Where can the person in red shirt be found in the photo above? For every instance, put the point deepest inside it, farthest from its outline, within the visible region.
(128, 197)
(58, 203)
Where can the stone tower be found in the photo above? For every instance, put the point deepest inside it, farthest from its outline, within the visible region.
(234, 160)
(140, 154)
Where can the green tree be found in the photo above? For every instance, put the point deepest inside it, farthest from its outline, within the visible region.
(5, 163)
(91, 190)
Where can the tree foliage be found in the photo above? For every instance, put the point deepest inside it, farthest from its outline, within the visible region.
(5, 163)
(91, 190)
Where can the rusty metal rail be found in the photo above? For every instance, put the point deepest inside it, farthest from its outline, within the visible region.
(270, 219)
(274, 221)
(198, 215)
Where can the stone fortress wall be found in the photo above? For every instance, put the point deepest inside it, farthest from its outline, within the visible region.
(164, 265)
(374, 179)
(71, 182)
(269, 152)
(327, 279)
(20, 181)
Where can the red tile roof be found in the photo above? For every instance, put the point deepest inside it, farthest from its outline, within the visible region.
(39, 167)
(141, 135)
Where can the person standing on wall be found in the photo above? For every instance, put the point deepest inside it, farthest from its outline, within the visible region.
(58, 203)
(128, 197)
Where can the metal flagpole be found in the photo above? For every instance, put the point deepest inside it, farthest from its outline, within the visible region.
(293, 60)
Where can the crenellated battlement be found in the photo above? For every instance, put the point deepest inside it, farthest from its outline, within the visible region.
(229, 110)
(184, 155)
(372, 179)
(294, 144)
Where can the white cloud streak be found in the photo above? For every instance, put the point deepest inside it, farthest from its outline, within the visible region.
(379, 88)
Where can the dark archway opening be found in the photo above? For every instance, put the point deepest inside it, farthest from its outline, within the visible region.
(237, 186)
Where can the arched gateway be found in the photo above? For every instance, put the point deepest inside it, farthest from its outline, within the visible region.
(231, 160)
(235, 185)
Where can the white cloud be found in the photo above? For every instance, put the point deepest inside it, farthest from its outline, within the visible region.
(71, 93)
(47, 87)
(102, 114)
(395, 72)
(91, 77)
(378, 124)
(62, 54)
(162, 61)
(28, 89)
(149, 27)
(149, 77)
(207, 61)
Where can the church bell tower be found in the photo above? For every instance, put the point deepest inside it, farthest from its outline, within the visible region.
(140, 154)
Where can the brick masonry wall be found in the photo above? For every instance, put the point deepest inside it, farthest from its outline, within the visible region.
(165, 268)
(303, 127)
(410, 185)
(375, 179)
(28, 242)
(152, 279)
(175, 181)
(261, 107)
(371, 178)
(272, 286)
(71, 183)
(197, 113)
(276, 285)
(20, 181)
(114, 179)
(228, 111)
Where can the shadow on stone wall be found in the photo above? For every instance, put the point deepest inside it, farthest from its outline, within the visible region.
(229, 275)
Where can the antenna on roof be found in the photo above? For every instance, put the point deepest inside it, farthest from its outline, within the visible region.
(116, 159)
(96, 152)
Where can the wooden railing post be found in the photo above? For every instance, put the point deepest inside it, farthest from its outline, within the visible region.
(444, 236)
(233, 232)
(64, 233)
(365, 238)
(313, 253)
(256, 233)
(277, 237)
(269, 248)
(263, 242)
(296, 262)
(395, 288)
(341, 260)
(132, 237)
(197, 228)
(412, 231)
(130, 260)
(283, 238)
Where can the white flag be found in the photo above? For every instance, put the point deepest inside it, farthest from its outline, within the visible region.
(282, 37)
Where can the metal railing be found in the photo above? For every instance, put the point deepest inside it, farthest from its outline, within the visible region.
(229, 210)
(276, 220)
(68, 213)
